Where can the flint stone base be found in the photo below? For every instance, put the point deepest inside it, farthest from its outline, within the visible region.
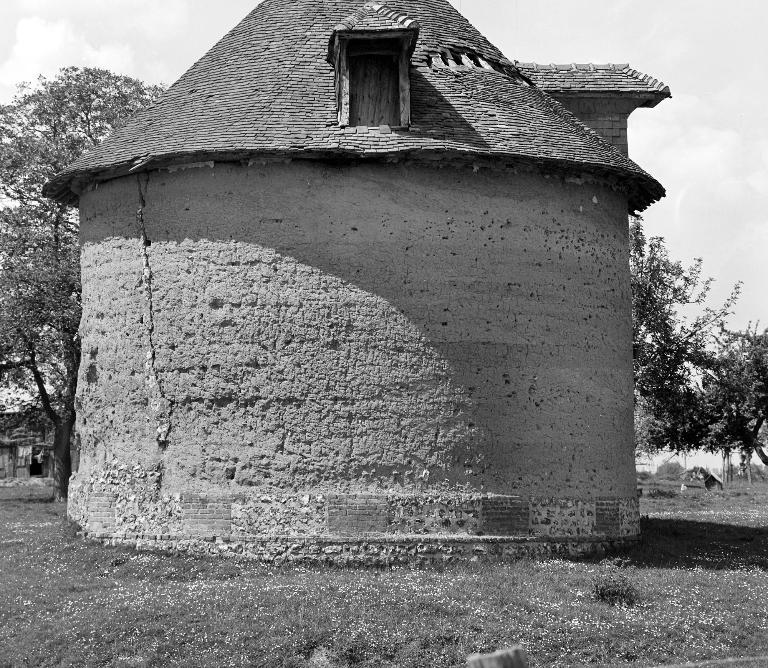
(374, 551)
(127, 506)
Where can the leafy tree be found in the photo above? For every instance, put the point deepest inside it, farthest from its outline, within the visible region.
(44, 129)
(671, 470)
(670, 348)
(735, 394)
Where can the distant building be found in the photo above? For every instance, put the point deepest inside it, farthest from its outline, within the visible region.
(24, 452)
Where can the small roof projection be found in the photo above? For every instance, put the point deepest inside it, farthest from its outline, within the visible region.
(589, 78)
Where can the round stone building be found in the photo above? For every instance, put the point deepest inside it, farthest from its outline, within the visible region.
(356, 289)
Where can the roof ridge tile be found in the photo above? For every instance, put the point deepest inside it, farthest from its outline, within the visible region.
(359, 19)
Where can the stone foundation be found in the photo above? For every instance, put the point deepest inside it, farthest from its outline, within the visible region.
(126, 505)
(374, 550)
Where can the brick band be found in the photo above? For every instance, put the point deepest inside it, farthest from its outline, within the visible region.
(338, 522)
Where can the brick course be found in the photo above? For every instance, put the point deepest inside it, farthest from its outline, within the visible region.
(505, 516)
(607, 517)
(101, 513)
(357, 514)
(204, 517)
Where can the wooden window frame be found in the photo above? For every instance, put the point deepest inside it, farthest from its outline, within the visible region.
(342, 70)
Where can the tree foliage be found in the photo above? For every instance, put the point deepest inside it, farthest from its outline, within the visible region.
(45, 128)
(673, 328)
(734, 398)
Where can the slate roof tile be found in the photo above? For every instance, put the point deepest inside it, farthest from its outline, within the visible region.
(374, 16)
(589, 77)
(266, 89)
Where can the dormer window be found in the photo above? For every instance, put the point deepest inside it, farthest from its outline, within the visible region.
(371, 52)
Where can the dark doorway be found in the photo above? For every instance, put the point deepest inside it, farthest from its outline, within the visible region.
(35, 468)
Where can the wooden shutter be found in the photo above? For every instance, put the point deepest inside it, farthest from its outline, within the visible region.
(374, 89)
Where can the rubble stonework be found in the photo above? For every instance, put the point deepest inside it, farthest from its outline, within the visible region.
(350, 528)
(374, 550)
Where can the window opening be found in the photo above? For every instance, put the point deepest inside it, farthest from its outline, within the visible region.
(374, 83)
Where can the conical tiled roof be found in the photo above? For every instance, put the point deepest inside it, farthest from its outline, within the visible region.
(267, 89)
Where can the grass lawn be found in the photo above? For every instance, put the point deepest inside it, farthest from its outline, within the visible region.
(701, 578)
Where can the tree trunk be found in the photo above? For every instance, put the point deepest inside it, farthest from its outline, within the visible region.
(62, 458)
(761, 454)
(726, 463)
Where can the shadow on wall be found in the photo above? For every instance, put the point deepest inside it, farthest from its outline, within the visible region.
(450, 314)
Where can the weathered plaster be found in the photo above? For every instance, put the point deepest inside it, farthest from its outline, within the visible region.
(160, 407)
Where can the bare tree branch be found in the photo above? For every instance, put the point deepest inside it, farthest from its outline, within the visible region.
(45, 399)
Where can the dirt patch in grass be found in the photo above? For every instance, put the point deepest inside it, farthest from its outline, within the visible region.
(699, 576)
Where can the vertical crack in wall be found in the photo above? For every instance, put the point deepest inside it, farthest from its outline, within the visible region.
(160, 406)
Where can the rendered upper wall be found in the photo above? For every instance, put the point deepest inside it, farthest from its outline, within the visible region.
(316, 327)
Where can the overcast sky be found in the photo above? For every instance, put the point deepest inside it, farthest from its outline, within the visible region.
(708, 145)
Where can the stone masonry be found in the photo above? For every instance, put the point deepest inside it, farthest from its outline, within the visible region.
(359, 528)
